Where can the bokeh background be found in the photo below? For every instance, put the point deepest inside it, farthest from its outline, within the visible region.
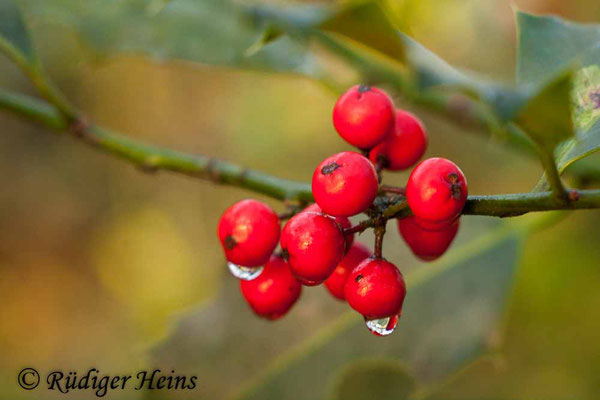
(98, 259)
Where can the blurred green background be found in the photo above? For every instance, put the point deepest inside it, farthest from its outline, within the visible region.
(99, 260)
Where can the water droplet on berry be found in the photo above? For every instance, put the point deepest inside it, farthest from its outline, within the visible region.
(244, 273)
(382, 326)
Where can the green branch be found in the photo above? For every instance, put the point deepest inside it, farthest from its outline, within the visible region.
(33, 70)
(58, 114)
(153, 158)
(509, 205)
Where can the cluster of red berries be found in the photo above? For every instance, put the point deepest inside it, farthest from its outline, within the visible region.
(317, 244)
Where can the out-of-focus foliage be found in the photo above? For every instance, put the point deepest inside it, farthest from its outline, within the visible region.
(206, 31)
(462, 296)
(142, 259)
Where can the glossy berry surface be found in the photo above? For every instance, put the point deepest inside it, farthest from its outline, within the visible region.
(249, 232)
(404, 146)
(313, 244)
(427, 244)
(274, 292)
(376, 289)
(337, 280)
(363, 116)
(345, 184)
(343, 222)
(436, 190)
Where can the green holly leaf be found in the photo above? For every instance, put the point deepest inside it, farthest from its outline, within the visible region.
(546, 115)
(548, 45)
(586, 106)
(583, 145)
(434, 73)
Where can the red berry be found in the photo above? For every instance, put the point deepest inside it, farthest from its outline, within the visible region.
(376, 289)
(363, 116)
(405, 146)
(336, 281)
(313, 244)
(274, 291)
(425, 243)
(432, 226)
(436, 190)
(343, 222)
(345, 184)
(249, 231)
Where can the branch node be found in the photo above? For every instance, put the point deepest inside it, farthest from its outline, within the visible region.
(211, 172)
(573, 195)
(79, 126)
(244, 174)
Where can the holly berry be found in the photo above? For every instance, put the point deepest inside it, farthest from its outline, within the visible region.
(249, 231)
(436, 190)
(376, 289)
(404, 146)
(336, 281)
(313, 244)
(275, 290)
(345, 184)
(363, 116)
(343, 222)
(425, 243)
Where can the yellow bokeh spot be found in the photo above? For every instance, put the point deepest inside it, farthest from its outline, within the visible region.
(143, 259)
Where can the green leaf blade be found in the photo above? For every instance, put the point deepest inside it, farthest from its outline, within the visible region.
(585, 144)
(548, 45)
(450, 316)
(546, 117)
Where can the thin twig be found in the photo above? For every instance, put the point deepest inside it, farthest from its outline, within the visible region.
(553, 176)
(379, 234)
